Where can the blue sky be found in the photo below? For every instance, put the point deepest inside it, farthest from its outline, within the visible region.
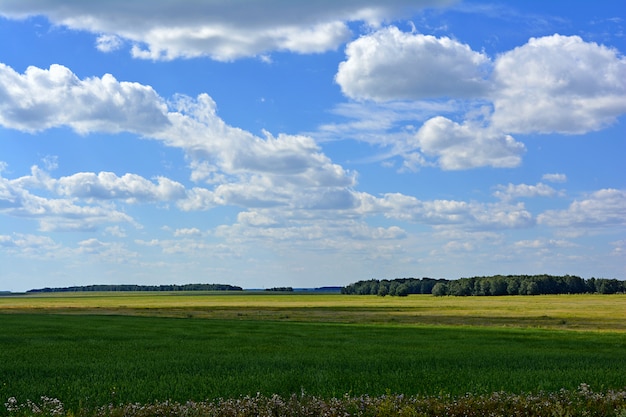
(270, 143)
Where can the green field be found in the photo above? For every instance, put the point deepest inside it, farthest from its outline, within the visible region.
(571, 312)
(89, 350)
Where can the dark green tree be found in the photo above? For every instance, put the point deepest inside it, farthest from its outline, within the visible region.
(440, 289)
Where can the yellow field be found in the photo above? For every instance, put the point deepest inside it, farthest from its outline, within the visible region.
(575, 312)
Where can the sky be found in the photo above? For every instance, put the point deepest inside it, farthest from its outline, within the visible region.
(305, 144)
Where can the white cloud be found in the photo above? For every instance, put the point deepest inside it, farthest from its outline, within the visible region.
(223, 42)
(554, 177)
(320, 234)
(387, 124)
(27, 241)
(231, 157)
(108, 43)
(110, 253)
(222, 29)
(513, 191)
(199, 199)
(54, 214)
(5, 240)
(543, 244)
(188, 232)
(469, 215)
(41, 99)
(246, 170)
(131, 188)
(50, 162)
(285, 158)
(116, 231)
(473, 237)
(462, 146)
(65, 215)
(558, 84)
(553, 84)
(256, 219)
(602, 208)
(288, 187)
(394, 65)
(315, 230)
(187, 247)
(91, 246)
(619, 248)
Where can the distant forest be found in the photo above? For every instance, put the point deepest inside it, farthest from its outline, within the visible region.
(124, 287)
(489, 285)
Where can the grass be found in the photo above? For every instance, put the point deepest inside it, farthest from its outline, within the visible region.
(87, 361)
(574, 312)
(90, 350)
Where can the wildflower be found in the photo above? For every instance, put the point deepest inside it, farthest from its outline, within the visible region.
(11, 405)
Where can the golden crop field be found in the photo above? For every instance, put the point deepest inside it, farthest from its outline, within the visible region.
(574, 312)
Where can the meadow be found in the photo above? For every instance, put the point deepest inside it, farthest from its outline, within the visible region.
(93, 350)
(573, 312)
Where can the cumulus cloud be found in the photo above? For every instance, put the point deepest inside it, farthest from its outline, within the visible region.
(469, 215)
(223, 30)
(67, 213)
(513, 191)
(199, 199)
(602, 208)
(461, 146)
(131, 188)
(256, 219)
(558, 84)
(55, 214)
(40, 99)
(285, 182)
(108, 186)
(286, 172)
(316, 229)
(394, 65)
(246, 170)
(552, 84)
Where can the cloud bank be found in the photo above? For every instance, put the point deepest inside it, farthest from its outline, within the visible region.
(222, 30)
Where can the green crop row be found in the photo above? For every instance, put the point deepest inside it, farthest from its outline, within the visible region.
(89, 361)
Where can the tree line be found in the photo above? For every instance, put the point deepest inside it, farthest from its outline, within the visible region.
(127, 287)
(488, 285)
